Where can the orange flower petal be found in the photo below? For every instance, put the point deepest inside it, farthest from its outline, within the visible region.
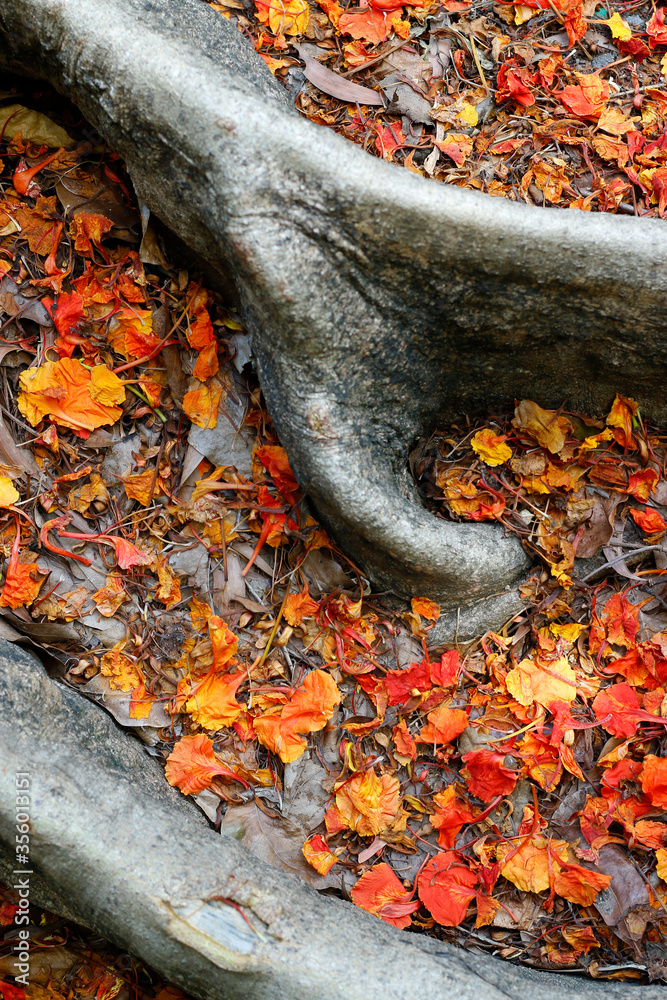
(192, 765)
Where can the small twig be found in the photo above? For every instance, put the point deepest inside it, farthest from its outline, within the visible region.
(617, 559)
(478, 64)
(372, 62)
(157, 467)
(274, 630)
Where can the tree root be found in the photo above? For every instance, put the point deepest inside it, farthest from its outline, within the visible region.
(379, 303)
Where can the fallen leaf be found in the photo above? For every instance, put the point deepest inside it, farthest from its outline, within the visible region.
(33, 126)
(337, 86)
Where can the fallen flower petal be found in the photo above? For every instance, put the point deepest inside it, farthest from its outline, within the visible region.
(444, 725)
(8, 493)
(654, 780)
(587, 98)
(617, 709)
(446, 888)
(87, 230)
(317, 853)
(123, 671)
(450, 816)
(487, 775)
(661, 858)
(405, 748)
(545, 426)
(23, 580)
(527, 863)
(541, 682)
(62, 390)
(368, 803)
(300, 606)
(425, 608)
(201, 405)
(491, 447)
(578, 884)
(192, 765)
(379, 889)
(656, 29)
(223, 642)
(642, 484)
(648, 520)
(308, 710)
(212, 701)
(141, 702)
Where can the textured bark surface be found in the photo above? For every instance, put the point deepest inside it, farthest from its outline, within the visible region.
(378, 302)
(114, 847)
